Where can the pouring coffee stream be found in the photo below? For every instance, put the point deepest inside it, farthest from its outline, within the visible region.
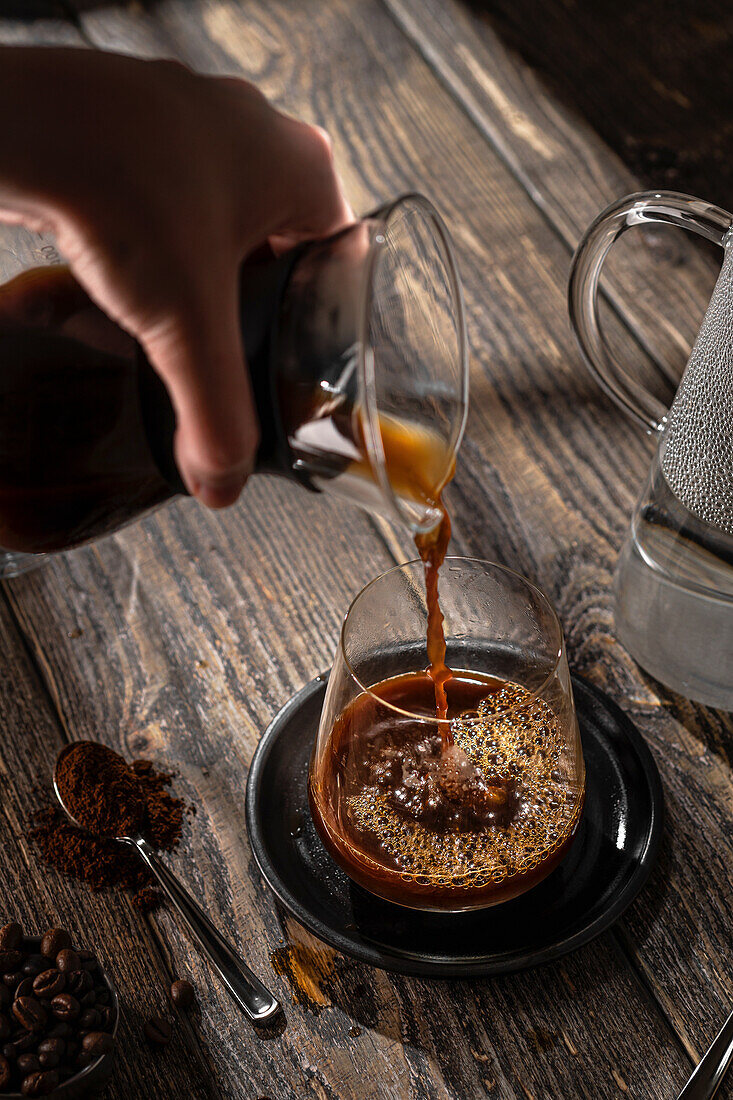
(432, 548)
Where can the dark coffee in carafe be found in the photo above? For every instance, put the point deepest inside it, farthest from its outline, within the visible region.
(85, 425)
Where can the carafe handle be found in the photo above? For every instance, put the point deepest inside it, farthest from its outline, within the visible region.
(666, 207)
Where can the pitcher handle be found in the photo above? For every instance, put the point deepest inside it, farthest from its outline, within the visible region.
(666, 207)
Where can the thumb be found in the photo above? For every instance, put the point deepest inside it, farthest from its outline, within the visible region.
(197, 351)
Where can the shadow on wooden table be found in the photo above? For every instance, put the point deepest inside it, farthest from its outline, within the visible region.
(654, 82)
(321, 978)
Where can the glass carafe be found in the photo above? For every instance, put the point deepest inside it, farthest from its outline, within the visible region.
(674, 579)
(356, 347)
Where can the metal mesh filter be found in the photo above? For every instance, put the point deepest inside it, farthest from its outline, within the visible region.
(697, 452)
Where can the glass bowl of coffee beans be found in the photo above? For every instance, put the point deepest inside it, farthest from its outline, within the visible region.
(58, 1017)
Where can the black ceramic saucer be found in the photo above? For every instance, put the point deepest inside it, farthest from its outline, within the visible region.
(609, 862)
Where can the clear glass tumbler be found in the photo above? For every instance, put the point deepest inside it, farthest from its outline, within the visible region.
(465, 813)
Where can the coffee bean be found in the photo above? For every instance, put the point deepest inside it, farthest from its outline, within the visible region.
(55, 940)
(20, 1043)
(61, 1030)
(97, 1043)
(182, 993)
(78, 982)
(28, 1063)
(48, 983)
(88, 960)
(10, 961)
(158, 1031)
(30, 1013)
(61, 1013)
(40, 1084)
(65, 1007)
(89, 1019)
(34, 964)
(67, 960)
(52, 1046)
(11, 937)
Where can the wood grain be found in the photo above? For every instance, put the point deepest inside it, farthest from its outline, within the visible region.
(40, 898)
(32, 738)
(657, 92)
(196, 627)
(570, 174)
(657, 279)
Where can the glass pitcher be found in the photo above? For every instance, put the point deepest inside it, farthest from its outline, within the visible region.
(357, 351)
(674, 579)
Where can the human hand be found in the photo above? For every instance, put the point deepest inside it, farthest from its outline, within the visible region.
(157, 183)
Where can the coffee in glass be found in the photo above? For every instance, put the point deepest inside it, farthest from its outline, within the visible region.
(462, 809)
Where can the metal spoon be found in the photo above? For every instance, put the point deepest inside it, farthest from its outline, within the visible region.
(257, 1003)
(712, 1066)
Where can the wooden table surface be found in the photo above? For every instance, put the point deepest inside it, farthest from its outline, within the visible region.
(181, 637)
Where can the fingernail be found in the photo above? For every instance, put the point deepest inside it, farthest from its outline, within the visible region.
(219, 494)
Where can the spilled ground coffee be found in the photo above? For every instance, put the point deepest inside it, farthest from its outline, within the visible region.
(103, 864)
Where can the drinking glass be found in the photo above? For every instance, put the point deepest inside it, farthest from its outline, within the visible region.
(500, 629)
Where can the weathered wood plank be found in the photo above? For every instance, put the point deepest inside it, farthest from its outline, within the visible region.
(39, 897)
(155, 600)
(657, 92)
(658, 280)
(174, 648)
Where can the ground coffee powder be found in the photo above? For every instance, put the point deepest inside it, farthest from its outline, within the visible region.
(100, 789)
(104, 864)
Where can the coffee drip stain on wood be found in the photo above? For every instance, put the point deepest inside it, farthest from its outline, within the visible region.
(306, 966)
